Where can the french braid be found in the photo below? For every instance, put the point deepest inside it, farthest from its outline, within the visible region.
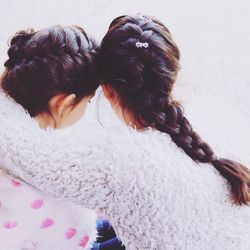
(143, 77)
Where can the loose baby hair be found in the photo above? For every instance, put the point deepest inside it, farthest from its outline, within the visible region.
(48, 62)
(140, 61)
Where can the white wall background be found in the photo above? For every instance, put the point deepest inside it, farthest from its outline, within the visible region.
(214, 39)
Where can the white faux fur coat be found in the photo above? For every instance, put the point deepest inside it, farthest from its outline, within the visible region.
(155, 196)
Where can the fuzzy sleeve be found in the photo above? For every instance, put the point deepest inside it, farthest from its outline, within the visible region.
(96, 175)
(90, 179)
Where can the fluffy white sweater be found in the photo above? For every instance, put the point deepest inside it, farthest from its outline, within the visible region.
(155, 195)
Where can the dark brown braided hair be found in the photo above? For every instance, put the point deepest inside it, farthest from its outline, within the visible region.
(140, 61)
(48, 62)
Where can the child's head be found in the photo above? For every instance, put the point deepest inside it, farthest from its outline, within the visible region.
(139, 62)
(52, 73)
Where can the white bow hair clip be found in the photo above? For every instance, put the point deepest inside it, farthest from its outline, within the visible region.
(141, 45)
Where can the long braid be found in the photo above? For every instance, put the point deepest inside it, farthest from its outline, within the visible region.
(146, 77)
(185, 137)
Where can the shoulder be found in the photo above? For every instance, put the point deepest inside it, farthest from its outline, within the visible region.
(153, 161)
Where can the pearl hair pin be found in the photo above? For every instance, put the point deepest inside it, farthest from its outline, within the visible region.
(141, 45)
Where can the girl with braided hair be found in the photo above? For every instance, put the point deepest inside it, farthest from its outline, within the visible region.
(139, 63)
(52, 74)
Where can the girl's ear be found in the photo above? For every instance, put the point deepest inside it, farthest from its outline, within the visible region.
(64, 103)
(59, 103)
